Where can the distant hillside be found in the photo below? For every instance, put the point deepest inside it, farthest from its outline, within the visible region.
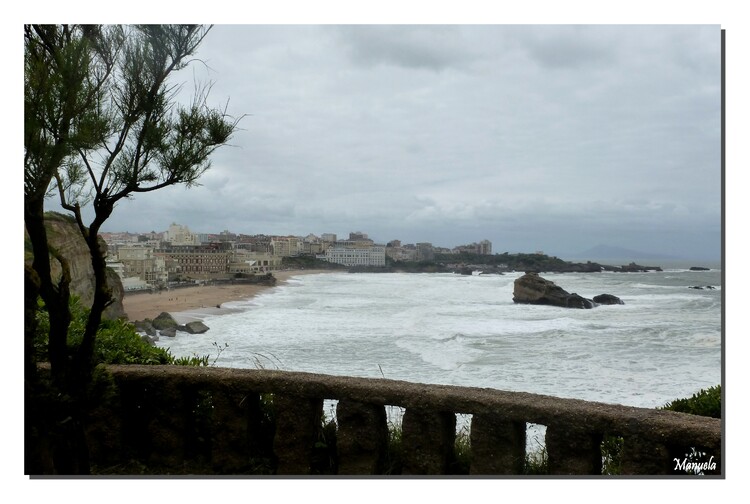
(606, 252)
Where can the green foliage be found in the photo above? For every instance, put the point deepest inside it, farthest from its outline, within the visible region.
(193, 360)
(117, 341)
(706, 402)
(612, 454)
(536, 462)
(461, 462)
(394, 451)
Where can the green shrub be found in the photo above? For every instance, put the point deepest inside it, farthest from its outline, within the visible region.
(117, 341)
(706, 402)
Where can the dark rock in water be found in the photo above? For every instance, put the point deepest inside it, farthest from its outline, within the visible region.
(169, 332)
(196, 327)
(151, 341)
(576, 301)
(699, 268)
(533, 289)
(145, 326)
(164, 321)
(637, 268)
(607, 299)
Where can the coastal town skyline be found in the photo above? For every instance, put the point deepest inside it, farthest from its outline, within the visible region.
(600, 251)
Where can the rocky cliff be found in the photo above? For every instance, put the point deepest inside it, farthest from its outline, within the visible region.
(63, 234)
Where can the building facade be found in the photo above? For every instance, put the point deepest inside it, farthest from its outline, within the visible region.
(178, 235)
(204, 261)
(141, 261)
(358, 250)
(247, 262)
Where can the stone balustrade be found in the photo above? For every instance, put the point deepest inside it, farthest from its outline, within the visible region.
(219, 421)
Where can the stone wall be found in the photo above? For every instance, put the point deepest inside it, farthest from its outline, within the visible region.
(179, 420)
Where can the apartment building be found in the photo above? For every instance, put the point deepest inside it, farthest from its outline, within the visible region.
(357, 251)
(401, 253)
(484, 247)
(178, 235)
(286, 246)
(425, 252)
(141, 261)
(205, 261)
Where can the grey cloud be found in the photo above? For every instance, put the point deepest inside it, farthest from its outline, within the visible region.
(525, 135)
(418, 47)
(570, 47)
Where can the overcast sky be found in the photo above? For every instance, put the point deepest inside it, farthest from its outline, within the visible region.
(537, 137)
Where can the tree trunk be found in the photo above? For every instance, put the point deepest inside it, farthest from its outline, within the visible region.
(56, 296)
(102, 294)
(54, 412)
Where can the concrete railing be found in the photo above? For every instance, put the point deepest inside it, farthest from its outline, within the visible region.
(218, 419)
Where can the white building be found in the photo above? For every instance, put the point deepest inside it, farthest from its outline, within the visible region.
(180, 235)
(134, 284)
(355, 253)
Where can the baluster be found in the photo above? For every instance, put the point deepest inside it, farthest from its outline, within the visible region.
(362, 437)
(297, 425)
(230, 439)
(498, 445)
(643, 456)
(572, 449)
(428, 439)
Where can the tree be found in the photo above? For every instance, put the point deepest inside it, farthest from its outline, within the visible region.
(101, 124)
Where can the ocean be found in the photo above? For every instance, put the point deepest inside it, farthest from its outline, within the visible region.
(664, 343)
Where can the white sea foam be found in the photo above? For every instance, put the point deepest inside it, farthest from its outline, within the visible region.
(663, 343)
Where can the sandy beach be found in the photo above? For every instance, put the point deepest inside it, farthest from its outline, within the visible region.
(193, 303)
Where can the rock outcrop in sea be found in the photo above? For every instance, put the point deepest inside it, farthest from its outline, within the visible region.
(195, 327)
(168, 326)
(607, 299)
(533, 289)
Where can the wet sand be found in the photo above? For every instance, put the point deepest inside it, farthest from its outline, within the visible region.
(193, 303)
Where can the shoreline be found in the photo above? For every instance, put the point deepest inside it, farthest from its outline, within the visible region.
(189, 304)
